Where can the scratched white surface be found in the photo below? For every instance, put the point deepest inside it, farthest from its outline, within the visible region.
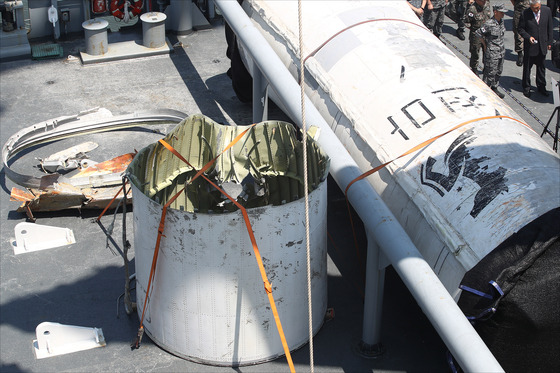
(208, 301)
(389, 85)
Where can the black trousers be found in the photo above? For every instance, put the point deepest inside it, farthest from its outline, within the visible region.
(528, 62)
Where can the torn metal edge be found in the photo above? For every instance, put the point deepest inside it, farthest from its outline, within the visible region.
(70, 126)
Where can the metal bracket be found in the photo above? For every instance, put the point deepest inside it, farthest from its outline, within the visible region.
(34, 237)
(57, 339)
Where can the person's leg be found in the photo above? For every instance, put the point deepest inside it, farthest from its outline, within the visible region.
(517, 39)
(492, 72)
(460, 7)
(526, 80)
(541, 71)
(497, 75)
(438, 25)
(429, 19)
(475, 46)
(487, 70)
(499, 69)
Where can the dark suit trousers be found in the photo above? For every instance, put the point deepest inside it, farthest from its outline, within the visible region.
(528, 62)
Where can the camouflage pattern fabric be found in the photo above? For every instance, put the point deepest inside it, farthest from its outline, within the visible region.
(518, 8)
(474, 17)
(493, 32)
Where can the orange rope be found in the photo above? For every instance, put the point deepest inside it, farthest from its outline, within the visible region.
(412, 150)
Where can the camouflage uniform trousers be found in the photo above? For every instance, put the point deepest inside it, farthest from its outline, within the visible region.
(475, 45)
(433, 19)
(460, 7)
(519, 7)
(493, 67)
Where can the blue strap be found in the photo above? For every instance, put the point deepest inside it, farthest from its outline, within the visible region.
(497, 287)
(487, 311)
(493, 283)
(474, 291)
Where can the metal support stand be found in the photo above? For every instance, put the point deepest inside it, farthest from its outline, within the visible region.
(260, 96)
(370, 346)
(556, 111)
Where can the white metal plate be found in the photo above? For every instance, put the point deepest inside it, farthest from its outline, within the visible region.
(34, 237)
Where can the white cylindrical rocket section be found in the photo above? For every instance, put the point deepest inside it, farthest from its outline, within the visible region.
(386, 85)
(208, 302)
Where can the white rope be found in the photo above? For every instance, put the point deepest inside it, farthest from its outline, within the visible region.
(305, 186)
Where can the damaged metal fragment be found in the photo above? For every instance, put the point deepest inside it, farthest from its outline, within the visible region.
(87, 189)
(265, 167)
(93, 187)
(69, 159)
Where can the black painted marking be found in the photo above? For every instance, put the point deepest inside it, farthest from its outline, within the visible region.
(397, 128)
(459, 162)
(405, 111)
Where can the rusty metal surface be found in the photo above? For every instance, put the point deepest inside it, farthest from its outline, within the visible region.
(62, 196)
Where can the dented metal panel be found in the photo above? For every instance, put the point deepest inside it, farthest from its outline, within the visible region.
(264, 168)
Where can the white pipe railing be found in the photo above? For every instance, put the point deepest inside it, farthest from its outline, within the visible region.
(447, 318)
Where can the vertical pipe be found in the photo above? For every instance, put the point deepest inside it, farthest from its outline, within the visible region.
(57, 23)
(370, 345)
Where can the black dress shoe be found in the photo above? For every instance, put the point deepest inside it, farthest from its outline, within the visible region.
(527, 92)
(519, 59)
(543, 91)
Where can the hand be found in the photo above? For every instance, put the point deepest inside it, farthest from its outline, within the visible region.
(532, 40)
